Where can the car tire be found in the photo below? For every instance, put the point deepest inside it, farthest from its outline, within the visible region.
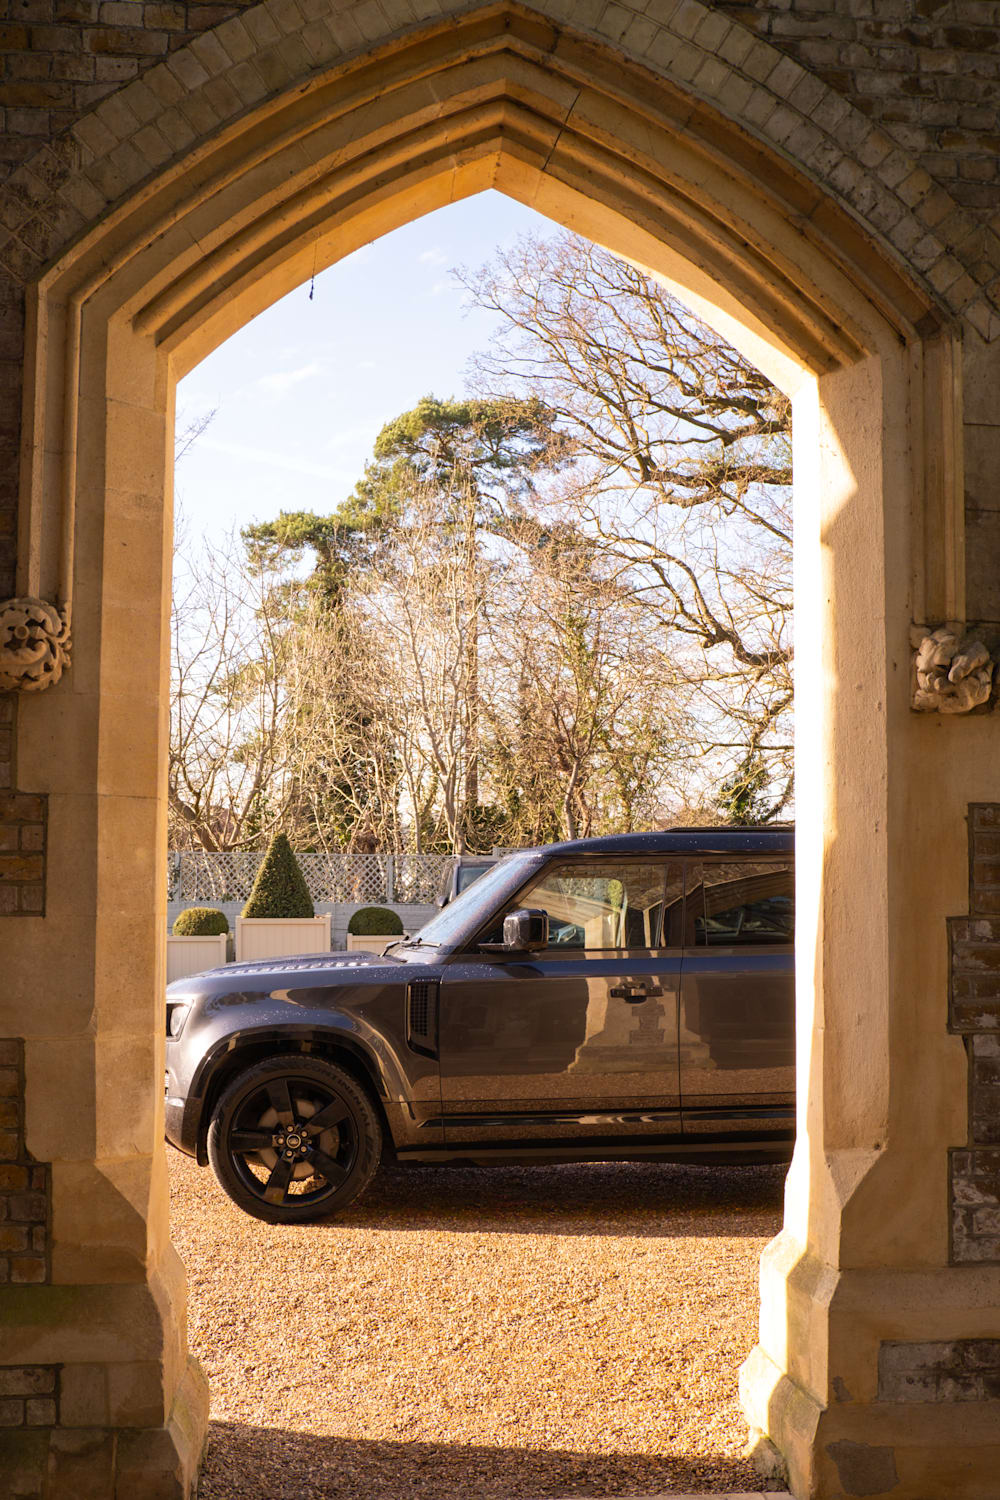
(272, 1160)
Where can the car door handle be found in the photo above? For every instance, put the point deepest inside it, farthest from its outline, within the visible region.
(634, 993)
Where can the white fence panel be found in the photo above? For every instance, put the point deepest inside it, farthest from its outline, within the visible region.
(358, 942)
(280, 937)
(192, 955)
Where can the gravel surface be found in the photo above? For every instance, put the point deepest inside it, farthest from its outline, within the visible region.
(511, 1333)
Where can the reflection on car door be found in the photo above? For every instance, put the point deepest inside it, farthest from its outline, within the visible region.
(737, 1012)
(579, 1040)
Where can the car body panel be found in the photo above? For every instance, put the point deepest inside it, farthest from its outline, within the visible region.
(737, 1031)
(524, 1041)
(737, 1016)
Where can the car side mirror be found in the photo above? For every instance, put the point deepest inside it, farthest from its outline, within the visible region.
(523, 932)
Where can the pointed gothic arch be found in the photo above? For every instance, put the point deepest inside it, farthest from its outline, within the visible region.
(762, 199)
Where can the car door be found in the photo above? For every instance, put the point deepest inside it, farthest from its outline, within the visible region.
(579, 1040)
(737, 1010)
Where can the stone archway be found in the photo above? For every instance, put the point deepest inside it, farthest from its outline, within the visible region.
(772, 208)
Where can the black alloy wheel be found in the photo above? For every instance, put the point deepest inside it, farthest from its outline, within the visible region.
(294, 1139)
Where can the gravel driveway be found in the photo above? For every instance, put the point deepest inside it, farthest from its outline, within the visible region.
(568, 1330)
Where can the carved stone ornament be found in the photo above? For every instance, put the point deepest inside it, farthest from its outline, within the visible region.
(953, 674)
(34, 645)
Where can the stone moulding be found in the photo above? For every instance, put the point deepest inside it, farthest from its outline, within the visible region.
(952, 672)
(34, 644)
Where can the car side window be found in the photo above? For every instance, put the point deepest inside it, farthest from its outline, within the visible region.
(740, 903)
(602, 905)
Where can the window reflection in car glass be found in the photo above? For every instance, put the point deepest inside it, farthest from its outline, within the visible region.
(742, 904)
(606, 905)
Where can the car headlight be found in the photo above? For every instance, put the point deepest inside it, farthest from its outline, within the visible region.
(177, 1014)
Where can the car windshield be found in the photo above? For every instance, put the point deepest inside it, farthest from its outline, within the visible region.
(476, 902)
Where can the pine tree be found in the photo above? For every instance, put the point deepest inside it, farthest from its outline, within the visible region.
(280, 889)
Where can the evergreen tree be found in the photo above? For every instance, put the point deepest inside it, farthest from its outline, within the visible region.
(744, 797)
(280, 889)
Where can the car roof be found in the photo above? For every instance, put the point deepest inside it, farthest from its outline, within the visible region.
(728, 840)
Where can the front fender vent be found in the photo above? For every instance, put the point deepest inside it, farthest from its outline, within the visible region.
(422, 1016)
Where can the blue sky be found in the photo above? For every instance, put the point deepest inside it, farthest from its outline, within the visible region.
(302, 391)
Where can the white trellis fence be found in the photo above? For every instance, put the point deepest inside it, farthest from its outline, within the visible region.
(198, 876)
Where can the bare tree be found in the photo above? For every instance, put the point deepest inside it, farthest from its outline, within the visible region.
(422, 598)
(682, 478)
(226, 781)
(493, 686)
(189, 429)
(583, 712)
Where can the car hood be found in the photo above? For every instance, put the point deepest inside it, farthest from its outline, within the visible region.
(334, 963)
(336, 967)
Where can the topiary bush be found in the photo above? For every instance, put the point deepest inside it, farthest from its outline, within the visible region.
(280, 889)
(200, 921)
(375, 921)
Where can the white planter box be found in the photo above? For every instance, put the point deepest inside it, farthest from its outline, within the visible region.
(359, 943)
(192, 955)
(280, 937)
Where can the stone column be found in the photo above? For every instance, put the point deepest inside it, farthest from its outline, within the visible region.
(97, 1394)
(879, 1351)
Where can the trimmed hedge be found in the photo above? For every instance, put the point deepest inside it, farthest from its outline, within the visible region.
(280, 889)
(375, 921)
(200, 921)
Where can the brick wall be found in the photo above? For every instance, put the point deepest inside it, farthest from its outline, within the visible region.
(24, 1187)
(928, 71)
(974, 1013)
(22, 830)
(952, 1370)
(22, 855)
(29, 1395)
(6, 739)
(59, 57)
(11, 353)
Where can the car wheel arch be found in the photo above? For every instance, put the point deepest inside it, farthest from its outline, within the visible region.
(333, 1047)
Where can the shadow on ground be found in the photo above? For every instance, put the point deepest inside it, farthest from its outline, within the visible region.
(257, 1463)
(642, 1199)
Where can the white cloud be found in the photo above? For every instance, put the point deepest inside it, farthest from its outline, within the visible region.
(286, 461)
(283, 380)
(433, 257)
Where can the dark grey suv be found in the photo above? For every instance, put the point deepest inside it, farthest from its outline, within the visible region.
(603, 999)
